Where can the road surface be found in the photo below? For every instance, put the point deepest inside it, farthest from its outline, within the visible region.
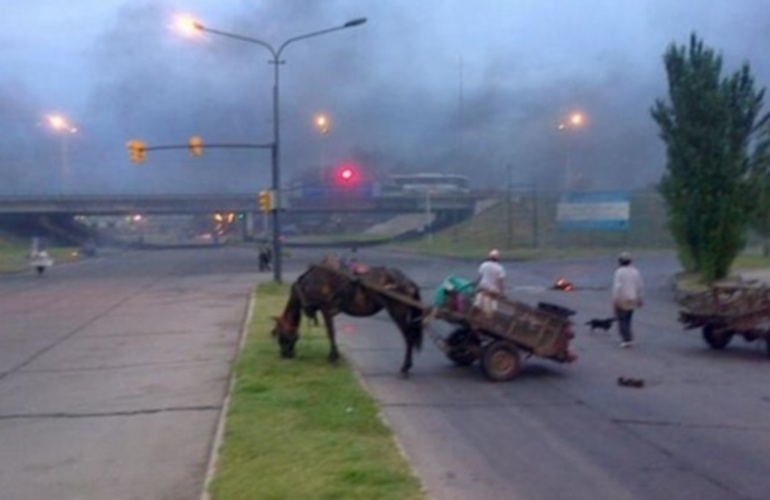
(698, 429)
(113, 372)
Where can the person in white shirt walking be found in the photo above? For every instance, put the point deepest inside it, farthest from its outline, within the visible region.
(627, 296)
(490, 283)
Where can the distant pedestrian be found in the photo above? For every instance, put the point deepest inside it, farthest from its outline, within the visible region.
(490, 283)
(627, 296)
(265, 257)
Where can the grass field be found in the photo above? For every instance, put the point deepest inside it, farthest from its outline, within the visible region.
(303, 428)
(13, 257)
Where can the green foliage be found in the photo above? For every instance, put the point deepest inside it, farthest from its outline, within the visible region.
(760, 217)
(304, 428)
(708, 126)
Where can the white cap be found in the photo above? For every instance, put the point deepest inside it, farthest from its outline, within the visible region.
(494, 254)
(624, 257)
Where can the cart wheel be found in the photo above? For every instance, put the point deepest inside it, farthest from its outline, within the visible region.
(464, 347)
(500, 361)
(716, 339)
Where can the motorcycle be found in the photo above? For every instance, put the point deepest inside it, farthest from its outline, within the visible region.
(40, 261)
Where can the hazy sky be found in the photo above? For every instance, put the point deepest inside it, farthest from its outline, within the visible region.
(425, 85)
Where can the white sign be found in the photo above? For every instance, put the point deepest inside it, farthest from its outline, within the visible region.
(602, 210)
(618, 210)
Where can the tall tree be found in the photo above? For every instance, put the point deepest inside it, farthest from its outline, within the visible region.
(760, 220)
(708, 125)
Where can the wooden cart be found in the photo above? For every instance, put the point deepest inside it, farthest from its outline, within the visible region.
(499, 339)
(726, 310)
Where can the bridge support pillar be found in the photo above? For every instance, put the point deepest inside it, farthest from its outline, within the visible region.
(248, 226)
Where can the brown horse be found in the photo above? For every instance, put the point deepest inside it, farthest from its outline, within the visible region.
(330, 289)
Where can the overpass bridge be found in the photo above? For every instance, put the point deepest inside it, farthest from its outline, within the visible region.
(169, 204)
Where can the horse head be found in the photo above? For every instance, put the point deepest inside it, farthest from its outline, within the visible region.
(286, 335)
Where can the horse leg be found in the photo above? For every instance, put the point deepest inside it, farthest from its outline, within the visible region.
(407, 365)
(405, 325)
(410, 323)
(334, 354)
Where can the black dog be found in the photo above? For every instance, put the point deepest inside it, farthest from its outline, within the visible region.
(602, 324)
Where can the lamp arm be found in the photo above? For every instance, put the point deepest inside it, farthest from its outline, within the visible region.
(308, 35)
(244, 39)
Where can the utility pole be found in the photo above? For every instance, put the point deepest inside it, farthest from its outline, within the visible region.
(535, 221)
(508, 204)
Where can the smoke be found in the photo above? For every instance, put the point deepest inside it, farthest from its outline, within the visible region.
(439, 86)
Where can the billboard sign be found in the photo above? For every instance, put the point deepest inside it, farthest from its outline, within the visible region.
(604, 210)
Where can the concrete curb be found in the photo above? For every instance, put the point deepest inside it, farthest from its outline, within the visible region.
(220, 429)
(399, 445)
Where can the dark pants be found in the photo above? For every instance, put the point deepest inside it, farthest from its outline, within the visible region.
(264, 261)
(624, 323)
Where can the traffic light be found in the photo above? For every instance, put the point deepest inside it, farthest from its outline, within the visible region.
(137, 150)
(347, 175)
(196, 145)
(265, 201)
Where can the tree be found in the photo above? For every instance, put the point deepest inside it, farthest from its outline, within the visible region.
(708, 126)
(760, 220)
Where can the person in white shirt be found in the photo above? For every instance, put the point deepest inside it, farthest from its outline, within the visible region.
(490, 283)
(627, 295)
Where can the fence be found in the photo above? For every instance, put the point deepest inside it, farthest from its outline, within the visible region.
(528, 218)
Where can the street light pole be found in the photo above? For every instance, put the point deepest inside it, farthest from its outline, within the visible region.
(428, 216)
(575, 121)
(323, 125)
(62, 126)
(276, 149)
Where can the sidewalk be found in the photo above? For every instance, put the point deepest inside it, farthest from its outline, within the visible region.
(116, 387)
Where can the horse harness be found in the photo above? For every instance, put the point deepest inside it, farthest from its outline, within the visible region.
(341, 294)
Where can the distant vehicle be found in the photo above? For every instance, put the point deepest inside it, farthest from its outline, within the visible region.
(423, 183)
(89, 248)
(40, 261)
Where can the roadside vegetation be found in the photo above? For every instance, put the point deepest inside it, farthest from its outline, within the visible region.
(14, 256)
(303, 428)
(718, 163)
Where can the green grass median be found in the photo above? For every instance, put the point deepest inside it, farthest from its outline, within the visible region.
(303, 428)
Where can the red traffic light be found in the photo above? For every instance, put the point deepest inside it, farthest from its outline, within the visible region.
(347, 175)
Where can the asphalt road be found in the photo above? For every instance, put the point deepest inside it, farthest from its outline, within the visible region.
(698, 429)
(113, 372)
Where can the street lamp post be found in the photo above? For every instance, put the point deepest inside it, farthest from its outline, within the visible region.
(276, 149)
(62, 126)
(323, 125)
(574, 121)
(428, 216)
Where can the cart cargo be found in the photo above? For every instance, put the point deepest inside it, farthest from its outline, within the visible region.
(726, 310)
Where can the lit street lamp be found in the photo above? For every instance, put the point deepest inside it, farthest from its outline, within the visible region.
(62, 126)
(323, 124)
(190, 25)
(574, 121)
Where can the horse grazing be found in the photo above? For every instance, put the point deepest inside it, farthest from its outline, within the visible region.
(330, 289)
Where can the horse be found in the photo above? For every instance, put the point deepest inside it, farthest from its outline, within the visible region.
(329, 288)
